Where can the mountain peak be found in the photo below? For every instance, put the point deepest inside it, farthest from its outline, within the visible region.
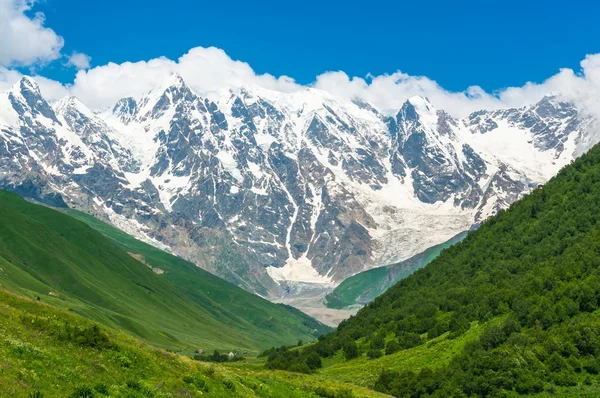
(420, 103)
(125, 109)
(27, 84)
(72, 104)
(26, 95)
(175, 81)
(68, 101)
(173, 91)
(552, 105)
(415, 108)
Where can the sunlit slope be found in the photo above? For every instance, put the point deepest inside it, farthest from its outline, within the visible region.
(63, 261)
(48, 352)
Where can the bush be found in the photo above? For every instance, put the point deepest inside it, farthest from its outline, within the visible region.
(350, 350)
(314, 361)
(374, 354)
(556, 363)
(325, 393)
(378, 342)
(229, 385)
(140, 388)
(82, 392)
(197, 381)
(101, 389)
(409, 340)
(591, 365)
(492, 337)
(134, 385)
(299, 367)
(91, 336)
(564, 379)
(439, 329)
(391, 347)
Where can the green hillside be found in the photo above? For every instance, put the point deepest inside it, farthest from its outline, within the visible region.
(47, 254)
(47, 352)
(363, 287)
(513, 309)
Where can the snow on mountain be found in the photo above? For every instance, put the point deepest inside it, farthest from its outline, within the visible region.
(267, 188)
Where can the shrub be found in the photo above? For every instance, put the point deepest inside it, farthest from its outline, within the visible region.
(134, 385)
(378, 342)
(350, 350)
(197, 381)
(101, 389)
(313, 360)
(374, 354)
(409, 340)
(564, 379)
(325, 393)
(229, 385)
(591, 365)
(210, 371)
(391, 347)
(82, 392)
(299, 367)
(140, 388)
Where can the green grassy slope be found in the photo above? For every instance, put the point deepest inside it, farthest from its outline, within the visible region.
(53, 353)
(363, 287)
(48, 254)
(519, 299)
(225, 300)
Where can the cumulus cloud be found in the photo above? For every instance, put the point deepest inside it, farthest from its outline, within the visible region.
(23, 40)
(51, 89)
(210, 70)
(79, 60)
(207, 70)
(390, 91)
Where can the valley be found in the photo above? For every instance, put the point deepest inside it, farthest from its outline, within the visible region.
(267, 189)
(299, 199)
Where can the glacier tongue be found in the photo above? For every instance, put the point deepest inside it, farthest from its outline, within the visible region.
(266, 188)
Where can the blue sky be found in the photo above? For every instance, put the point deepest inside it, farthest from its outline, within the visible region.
(491, 43)
(462, 55)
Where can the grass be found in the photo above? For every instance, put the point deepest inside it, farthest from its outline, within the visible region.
(64, 262)
(364, 372)
(364, 287)
(37, 357)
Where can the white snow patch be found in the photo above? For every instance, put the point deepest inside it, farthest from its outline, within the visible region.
(230, 165)
(300, 270)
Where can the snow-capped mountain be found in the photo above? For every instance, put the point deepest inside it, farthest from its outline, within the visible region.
(266, 188)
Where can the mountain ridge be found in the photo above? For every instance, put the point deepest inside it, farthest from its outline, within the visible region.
(302, 187)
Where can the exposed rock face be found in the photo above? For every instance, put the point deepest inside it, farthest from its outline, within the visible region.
(262, 187)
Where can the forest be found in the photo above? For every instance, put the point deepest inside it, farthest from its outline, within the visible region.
(529, 275)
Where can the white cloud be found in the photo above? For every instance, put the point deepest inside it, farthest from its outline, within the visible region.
(208, 70)
(51, 89)
(23, 40)
(79, 60)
